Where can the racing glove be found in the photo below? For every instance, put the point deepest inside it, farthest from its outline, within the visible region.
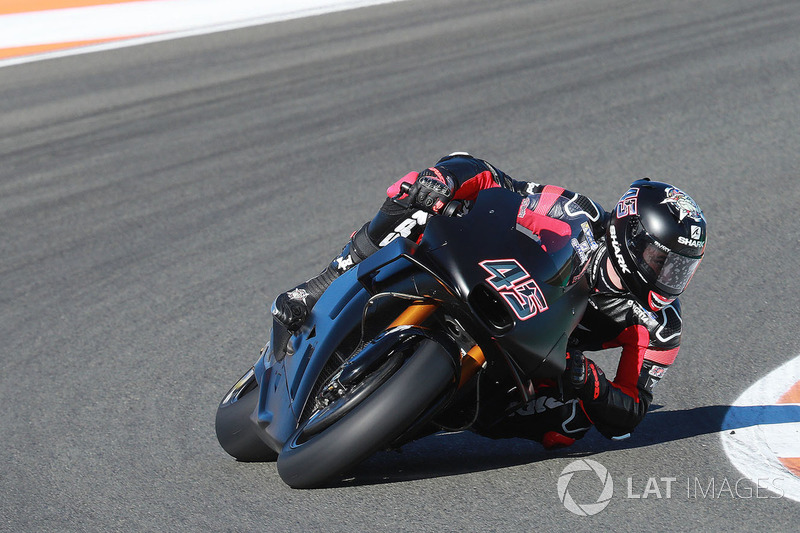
(585, 377)
(431, 193)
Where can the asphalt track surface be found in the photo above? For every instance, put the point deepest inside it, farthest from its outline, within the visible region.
(153, 200)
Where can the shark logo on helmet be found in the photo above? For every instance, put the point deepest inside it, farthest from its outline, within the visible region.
(684, 204)
(617, 250)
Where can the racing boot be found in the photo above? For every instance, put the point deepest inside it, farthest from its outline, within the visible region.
(291, 308)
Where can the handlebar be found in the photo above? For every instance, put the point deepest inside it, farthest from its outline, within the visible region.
(453, 208)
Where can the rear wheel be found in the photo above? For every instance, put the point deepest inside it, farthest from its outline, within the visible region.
(236, 431)
(367, 416)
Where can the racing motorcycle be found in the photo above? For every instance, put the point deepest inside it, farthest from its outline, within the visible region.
(446, 333)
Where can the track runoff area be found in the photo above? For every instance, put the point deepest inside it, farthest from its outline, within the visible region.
(32, 30)
(761, 430)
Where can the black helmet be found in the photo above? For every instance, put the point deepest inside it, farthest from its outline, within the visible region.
(656, 239)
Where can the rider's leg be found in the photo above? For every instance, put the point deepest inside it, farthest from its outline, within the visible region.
(291, 308)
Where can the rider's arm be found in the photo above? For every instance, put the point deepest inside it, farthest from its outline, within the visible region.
(622, 403)
(472, 175)
(465, 176)
(617, 406)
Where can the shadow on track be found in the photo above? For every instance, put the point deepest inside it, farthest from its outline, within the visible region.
(666, 426)
(448, 454)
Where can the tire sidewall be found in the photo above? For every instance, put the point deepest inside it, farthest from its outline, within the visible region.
(237, 433)
(373, 424)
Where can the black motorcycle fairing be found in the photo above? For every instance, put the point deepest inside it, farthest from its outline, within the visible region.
(517, 295)
(494, 267)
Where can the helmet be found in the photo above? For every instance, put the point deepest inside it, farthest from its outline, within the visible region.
(656, 239)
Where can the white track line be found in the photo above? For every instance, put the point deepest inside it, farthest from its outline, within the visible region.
(757, 431)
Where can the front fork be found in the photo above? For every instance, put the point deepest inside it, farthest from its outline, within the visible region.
(416, 314)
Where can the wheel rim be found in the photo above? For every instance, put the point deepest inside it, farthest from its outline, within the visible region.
(323, 418)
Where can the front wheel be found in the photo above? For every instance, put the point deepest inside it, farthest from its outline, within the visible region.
(398, 393)
(236, 431)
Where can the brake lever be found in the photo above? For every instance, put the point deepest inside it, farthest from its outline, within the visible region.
(405, 189)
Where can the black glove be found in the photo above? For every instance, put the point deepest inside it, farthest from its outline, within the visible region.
(585, 377)
(431, 194)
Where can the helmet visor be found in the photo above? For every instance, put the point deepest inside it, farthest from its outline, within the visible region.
(667, 270)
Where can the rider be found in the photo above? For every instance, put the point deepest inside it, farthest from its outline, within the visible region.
(655, 240)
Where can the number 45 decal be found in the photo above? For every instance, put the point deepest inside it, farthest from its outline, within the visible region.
(514, 284)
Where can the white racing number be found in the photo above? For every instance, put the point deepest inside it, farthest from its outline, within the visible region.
(404, 229)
